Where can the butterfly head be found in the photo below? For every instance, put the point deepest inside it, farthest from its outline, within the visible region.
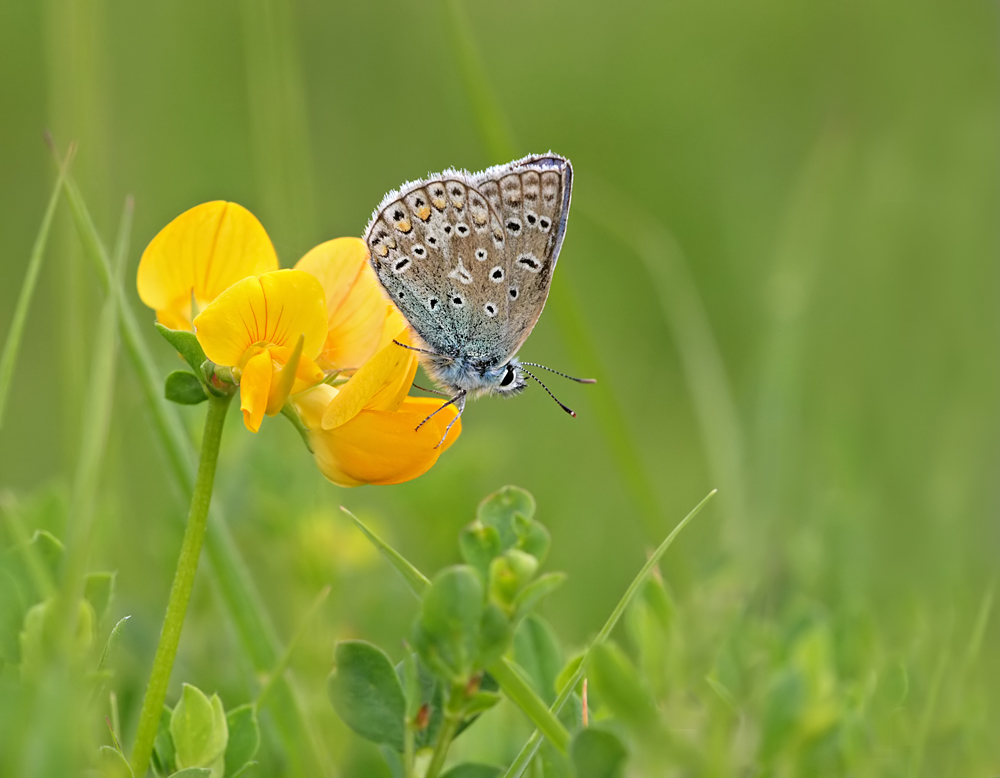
(511, 379)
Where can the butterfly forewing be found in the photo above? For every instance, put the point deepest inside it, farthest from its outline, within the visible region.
(468, 259)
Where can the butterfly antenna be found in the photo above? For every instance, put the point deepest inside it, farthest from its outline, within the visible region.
(571, 378)
(566, 408)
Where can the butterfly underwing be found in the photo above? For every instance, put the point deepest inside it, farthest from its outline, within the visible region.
(468, 259)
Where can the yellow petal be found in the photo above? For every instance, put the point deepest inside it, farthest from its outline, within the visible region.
(273, 309)
(200, 254)
(255, 385)
(383, 447)
(312, 404)
(356, 305)
(380, 384)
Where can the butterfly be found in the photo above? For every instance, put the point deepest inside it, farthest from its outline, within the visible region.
(468, 259)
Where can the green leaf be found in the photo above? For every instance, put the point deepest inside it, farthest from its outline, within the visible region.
(446, 632)
(499, 509)
(510, 573)
(473, 770)
(494, 635)
(112, 642)
(199, 731)
(598, 754)
(366, 693)
(535, 540)
(244, 739)
(479, 546)
(616, 682)
(193, 772)
(164, 761)
(34, 566)
(479, 702)
(184, 388)
(536, 651)
(187, 346)
(113, 764)
(535, 592)
(98, 588)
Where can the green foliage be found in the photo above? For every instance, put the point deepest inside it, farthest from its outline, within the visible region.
(473, 770)
(184, 388)
(199, 731)
(199, 738)
(367, 693)
(187, 345)
(459, 632)
(598, 753)
(244, 740)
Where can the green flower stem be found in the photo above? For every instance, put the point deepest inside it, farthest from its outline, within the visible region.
(448, 729)
(231, 574)
(522, 695)
(180, 591)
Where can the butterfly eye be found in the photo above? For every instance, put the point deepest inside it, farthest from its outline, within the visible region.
(508, 377)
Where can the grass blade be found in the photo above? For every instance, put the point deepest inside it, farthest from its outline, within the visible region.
(527, 753)
(97, 420)
(416, 581)
(686, 317)
(13, 343)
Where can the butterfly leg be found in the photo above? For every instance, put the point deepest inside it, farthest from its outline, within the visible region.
(419, 350)
(429, 391)
(461, 410)
(458, 399)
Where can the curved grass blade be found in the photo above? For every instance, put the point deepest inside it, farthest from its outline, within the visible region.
(13, 343)
(416, 581)
(527, 753)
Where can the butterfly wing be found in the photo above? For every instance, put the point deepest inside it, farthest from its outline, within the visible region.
(468, 259)
(532, 197)
(429, 245)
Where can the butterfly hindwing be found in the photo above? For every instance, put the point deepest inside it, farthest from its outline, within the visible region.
(532, 197)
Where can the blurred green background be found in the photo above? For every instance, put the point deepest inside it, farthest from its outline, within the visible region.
(781, 262)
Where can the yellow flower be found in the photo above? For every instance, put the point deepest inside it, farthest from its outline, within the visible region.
(198, 256)
(213, 269)
(364, 432)
(255, 325)
(360, 320)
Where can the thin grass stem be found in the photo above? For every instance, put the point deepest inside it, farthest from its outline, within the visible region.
(12, 345)
(97, 420)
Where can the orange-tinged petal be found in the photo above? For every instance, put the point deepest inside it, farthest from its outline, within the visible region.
(355, 303)
(255, 385)
(383, 447)
(273, 309)
(200, 254)
(376, 386)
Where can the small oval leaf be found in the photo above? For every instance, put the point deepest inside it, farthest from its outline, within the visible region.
(184, 388)
(366, 693)
(598, 754)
